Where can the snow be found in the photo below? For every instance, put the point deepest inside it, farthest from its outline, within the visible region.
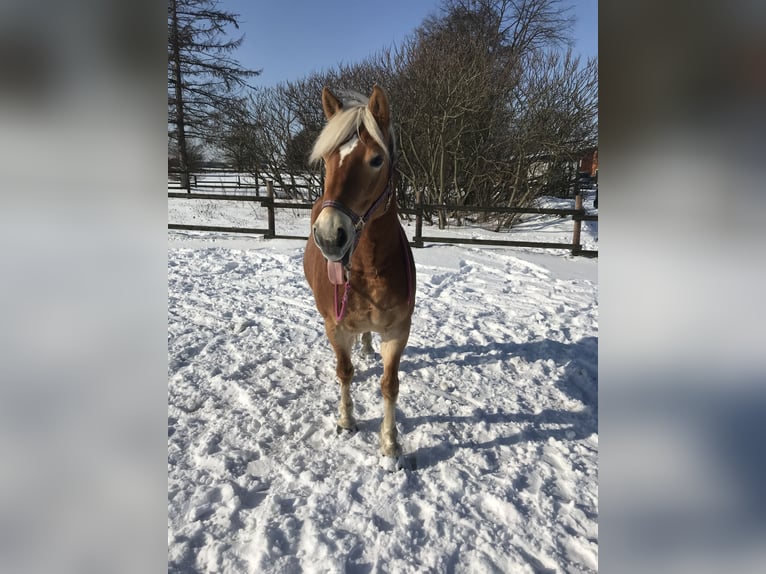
(497, 411)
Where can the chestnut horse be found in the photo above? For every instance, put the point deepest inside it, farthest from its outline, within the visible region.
(358, 261)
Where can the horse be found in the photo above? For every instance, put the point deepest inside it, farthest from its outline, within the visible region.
(358, 261)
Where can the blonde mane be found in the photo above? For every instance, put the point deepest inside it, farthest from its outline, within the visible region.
(345, 123)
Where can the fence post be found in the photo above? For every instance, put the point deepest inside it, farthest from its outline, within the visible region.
(270, 207)
(577, 222)
(417, 241)
(185, 181)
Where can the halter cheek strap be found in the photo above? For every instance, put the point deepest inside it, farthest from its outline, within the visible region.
(360, 222)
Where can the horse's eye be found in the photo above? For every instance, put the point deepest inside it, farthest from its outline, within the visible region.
(376, 161)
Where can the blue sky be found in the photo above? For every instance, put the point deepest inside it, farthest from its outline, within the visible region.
(289, 40)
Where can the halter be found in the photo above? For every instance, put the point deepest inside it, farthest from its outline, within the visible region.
(361, 221)
(359, 224)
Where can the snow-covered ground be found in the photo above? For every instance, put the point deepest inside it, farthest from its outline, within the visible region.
(497, 412)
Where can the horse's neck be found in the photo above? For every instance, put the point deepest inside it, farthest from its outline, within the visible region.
(383, 235)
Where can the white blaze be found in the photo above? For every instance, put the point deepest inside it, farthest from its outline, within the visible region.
(347, 148)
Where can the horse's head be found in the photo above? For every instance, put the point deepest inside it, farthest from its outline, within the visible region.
(357, 148)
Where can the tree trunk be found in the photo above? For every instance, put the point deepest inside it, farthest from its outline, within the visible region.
(442, 216)
(183, 154)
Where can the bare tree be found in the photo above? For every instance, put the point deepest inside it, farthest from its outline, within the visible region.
(238, 138)
(488, 109)
(275, 128)
(555, 109)
(202, 75)
(461, 84)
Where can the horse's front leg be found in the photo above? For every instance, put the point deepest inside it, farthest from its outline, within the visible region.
(391, 347)
(342, 341)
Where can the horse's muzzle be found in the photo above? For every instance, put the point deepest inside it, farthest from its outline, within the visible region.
(334, 234)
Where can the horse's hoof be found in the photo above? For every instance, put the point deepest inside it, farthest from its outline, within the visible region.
(393, 451)
(351, 430)
(392, 464)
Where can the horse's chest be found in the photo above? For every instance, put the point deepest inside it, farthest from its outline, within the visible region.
(378, 290)
(374, 301)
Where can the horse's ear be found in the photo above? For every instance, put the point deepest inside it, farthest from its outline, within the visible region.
(378, 106)
(330, 103)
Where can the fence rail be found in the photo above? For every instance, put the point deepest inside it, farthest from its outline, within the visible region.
(228, 181)
(268, 201)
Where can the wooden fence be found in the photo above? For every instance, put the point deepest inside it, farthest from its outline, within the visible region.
(234, 184)
(271, 204)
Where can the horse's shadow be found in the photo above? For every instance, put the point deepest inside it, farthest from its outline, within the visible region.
(570, 426)
(579, 381)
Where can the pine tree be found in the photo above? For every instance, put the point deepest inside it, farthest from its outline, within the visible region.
(203, 78)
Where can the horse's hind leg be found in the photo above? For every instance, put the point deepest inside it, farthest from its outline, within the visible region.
(367, 343)
(342, 341)
(391, 348)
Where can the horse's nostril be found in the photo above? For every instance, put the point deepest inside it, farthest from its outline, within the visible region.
(341, 237)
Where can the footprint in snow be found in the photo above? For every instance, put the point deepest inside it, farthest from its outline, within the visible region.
(439, 279)
(239, 326)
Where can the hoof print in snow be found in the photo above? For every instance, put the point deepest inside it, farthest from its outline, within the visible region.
(342, 430)
(407, 463)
